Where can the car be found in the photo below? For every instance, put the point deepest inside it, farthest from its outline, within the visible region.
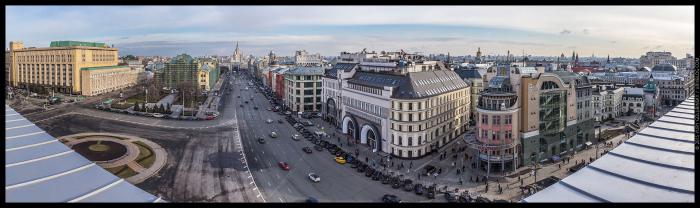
(307, 149)
(295, 137)
(429, 170)
(261, 140)
(280, 121)
(386, 180)
(241, 105)
(311, 200)
(246, 102)
(408, 185)
(376, 176)
(238, 96)
(396, 184)
(354, 165)
(287, 113)
(340, 160)
(451, 197)
(273, 134)
(283, 165)
(388, 198)
(255, 107)
(269, 109)
(418, 189)
(269, 121)
(369, 172)
(430, 193)
(318, 148)
(314, 177)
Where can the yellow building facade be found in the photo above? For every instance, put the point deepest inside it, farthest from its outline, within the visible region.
(58, 67)
(99, 80)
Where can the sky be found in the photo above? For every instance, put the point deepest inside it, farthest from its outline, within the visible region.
(618, 31)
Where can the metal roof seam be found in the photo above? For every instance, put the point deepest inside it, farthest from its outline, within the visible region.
(38, 159)
(49, 177)
(676, 130)
(676, 116)
(659, 148)
(582, 191)
(677, 123)
(19, 127)
(666, 138)
(23, 135)
(641, 181)
(31, 145)
(96, 191)
(21, 119)
(650, 162)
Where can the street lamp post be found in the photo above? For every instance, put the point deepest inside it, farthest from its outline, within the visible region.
(597, 141)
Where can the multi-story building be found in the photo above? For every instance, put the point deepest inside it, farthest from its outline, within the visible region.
(474, 78)
(651, 98)
(633, 100)
(103, 79)
(303, 58)
(208, 74)
(419, 111)
(674, 86)
(65, 66)
(277, 81)
(303, 88)
(607, 102)
(8, 67)
(549, 125)
(397, 103)
(332, 92)
(184, 70)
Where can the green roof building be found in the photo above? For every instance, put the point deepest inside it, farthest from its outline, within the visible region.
(68, 43)
(185, 70)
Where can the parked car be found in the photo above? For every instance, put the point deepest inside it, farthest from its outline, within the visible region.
(283, 165)
(314, 177)
(158, 115)
(273, 134)
(396, 184)
(307, 149)
(418, 189)
(450, 196)
(340, 160)
(318, 148)
(376, 176)
(408, 185)
(279, 121)
(430, 193)
(388, 198)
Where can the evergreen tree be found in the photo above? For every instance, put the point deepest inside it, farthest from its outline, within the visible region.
(136, 106)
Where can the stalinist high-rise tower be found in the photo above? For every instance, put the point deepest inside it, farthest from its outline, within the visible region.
(236, 58)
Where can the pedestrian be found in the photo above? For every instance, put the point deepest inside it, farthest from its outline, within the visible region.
(559, 165)
(521, 182)
(471, 179)
(462, 168)
(366, 160)
(460, 182)
(410, 165)
(392, 164)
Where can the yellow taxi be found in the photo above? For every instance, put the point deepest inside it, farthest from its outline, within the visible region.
(340, 160)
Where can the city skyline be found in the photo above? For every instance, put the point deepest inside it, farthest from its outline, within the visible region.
(150, 30)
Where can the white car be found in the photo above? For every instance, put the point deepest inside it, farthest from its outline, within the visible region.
(295, 137)
(269, 120)
(314, 177)
(158, 115)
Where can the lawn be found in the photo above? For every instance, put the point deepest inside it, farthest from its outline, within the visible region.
(122, 171)
(146, 157)
(141, 98)
(609, 134)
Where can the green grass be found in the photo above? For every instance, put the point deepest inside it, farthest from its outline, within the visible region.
(146, 156)
(122, 171)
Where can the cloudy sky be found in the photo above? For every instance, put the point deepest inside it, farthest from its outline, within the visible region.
(626, 31)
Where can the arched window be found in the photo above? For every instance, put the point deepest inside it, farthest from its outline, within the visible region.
(549, 85)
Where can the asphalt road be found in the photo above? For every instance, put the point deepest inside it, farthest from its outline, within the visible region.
(339, 183)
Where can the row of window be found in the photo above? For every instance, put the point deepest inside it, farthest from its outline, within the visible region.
(506, 134)
(507, 119)
(430, 103)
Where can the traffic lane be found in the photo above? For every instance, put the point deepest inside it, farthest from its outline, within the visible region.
(323, 164)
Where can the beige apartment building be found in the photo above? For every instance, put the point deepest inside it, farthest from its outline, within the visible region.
(59, 67)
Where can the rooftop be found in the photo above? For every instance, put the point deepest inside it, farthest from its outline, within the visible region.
(39, 168)
(412, 85)
(68, 43)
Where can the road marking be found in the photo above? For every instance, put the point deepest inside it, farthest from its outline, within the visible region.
(250, 176)
(280, 199)
(269, 184)
(252, 182)
(256, 188)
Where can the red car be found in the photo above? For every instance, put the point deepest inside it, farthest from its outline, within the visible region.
(284, 165)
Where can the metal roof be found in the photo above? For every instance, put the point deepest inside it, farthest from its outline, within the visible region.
(655, 165)
(39, 168)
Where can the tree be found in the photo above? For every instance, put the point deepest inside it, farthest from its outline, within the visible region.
(161, 108)
(168, 109)
(143, 107)
(136, 106)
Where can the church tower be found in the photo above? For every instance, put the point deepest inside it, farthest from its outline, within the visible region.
(236, 55)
